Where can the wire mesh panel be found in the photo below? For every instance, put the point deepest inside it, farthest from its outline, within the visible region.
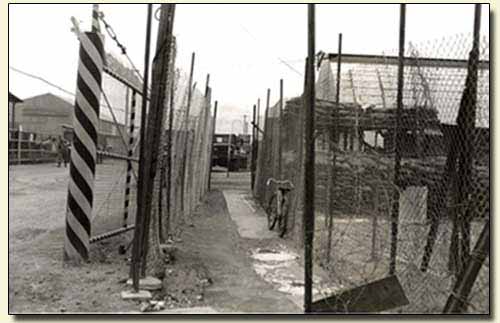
(441, 201)
(115, 186)
(190, 140)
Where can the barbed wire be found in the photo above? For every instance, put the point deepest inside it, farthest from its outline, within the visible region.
(111, 33)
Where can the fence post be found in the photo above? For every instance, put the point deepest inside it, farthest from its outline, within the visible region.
(19, 130)
(184, 134)
(83, 154)
(280, 129)
(214, 122)
(397, 143)
(13, 124)
(254, 145)
(228, 162)
(206, 144)
(258, 120)
(139, 218)
(333, 142)
(160, 73)
(169, 158)
(466, 124)
(458, 300)
(257, 155)
(309, 164)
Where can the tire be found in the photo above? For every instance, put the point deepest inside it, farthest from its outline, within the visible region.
(283, 221)
(272, 212)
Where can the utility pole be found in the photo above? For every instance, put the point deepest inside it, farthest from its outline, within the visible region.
(308, 212)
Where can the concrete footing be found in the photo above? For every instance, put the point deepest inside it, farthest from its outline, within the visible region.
(147, 283)
(142, 295)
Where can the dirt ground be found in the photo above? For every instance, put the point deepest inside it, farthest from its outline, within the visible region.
(38, 280)
(219, 266)
(212, 267)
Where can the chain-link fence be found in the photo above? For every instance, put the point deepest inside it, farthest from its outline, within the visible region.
(182, 172)
(115, 186)
(420, 225)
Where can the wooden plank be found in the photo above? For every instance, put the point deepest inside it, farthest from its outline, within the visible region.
(377, 296)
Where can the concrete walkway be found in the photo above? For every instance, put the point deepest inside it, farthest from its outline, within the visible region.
(249, 217)
(274, 261)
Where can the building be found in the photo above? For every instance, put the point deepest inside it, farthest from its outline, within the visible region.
(13, 101)
(49, 115)
(44, 114)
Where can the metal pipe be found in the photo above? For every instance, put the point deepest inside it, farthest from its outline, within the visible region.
(309, 164)
(117, 156)
(397, 142)
(125, 82)
(111, 234)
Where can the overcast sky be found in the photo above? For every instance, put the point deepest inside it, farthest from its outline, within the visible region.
(246, 48)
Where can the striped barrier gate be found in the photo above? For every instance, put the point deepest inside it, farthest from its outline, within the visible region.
(83, 153)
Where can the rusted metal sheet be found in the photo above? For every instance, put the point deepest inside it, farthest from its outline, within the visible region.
(377, 296)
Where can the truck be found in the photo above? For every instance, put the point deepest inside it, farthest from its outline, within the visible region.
(239, 153)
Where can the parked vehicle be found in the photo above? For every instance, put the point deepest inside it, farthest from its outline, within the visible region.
(238, 155)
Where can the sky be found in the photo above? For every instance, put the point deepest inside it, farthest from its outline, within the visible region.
(246, 48)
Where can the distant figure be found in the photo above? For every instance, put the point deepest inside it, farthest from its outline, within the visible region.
(66, 152)
(62, 152)
(99, 156)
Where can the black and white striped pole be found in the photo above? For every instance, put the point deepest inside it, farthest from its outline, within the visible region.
(84, 150)
(130, 155)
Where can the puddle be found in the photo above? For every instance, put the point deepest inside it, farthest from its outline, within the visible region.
(277, 267)
(268, 255)
(280, 268)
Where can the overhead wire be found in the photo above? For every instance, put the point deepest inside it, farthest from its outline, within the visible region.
(44, 80)
(284, 62)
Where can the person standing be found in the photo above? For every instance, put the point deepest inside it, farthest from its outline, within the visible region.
(66, 152)
(60, 148)
(62, 152)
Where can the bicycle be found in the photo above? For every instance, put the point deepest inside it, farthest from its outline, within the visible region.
(279, 205)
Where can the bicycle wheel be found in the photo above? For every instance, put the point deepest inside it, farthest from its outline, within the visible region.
(283, 221)
(272, 212)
